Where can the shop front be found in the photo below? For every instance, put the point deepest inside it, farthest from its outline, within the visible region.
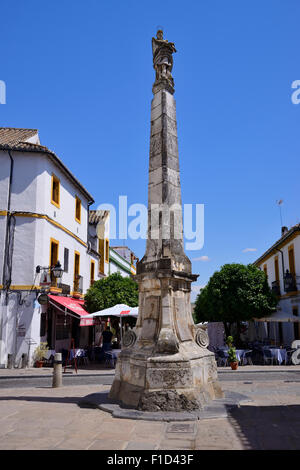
(62, 322)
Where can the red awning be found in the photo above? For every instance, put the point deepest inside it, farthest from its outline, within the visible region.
(74, 305)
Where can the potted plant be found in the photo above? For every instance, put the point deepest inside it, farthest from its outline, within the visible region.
(229, 341)
(40, 353)
(232, 359)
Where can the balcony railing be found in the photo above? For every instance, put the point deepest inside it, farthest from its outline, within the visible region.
(55, 284)
(290, 284)
(66, 289)
(276, 287)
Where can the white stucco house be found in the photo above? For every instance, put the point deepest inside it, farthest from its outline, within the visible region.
(122, 260)
(44, 218)
(281, 263)
(98, 240)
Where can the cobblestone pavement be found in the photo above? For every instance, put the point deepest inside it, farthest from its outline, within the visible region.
(49, 418)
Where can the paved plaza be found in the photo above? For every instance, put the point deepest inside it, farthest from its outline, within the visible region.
(41, 418)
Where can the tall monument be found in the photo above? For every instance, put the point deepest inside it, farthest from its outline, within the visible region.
(165, 364)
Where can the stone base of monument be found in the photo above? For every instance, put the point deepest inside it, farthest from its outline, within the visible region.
(218, 408)
(166, 383)
(165, 364)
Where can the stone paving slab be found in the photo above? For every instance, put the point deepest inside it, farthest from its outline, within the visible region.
(47, 418)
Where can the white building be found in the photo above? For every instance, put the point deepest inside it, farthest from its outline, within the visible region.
(99, 240)
(44, 218)
(122, 259)
(281, 263)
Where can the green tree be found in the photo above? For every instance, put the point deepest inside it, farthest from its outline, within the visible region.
(111, 290)
(234, 294)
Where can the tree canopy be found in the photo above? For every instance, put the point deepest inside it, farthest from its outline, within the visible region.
(236, 293)
(111, 290)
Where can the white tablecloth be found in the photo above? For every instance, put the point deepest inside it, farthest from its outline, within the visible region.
(78, 353)
(114, 353)
(240, 353)
(49, 353)
(279, 354)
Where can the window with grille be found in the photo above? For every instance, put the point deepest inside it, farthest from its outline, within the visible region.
(66, 260)
(77, 209)
(92, 272)
(106, 250)
(55, 191)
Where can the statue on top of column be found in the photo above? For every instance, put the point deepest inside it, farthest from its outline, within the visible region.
(162, 58)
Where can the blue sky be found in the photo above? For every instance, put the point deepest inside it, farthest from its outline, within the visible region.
(81, 72)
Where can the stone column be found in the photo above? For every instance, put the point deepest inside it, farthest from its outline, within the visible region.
(165, 364)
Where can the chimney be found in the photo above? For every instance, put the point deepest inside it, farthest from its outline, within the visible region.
(284, 230)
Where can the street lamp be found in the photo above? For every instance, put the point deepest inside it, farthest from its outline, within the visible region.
(45, 282)
(56, 270)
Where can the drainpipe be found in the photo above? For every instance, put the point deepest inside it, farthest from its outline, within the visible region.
(5, 250)
(88, 221)
(7, 217)
(282, 265)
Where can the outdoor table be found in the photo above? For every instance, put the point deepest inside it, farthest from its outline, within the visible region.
(240, 354)
(78, 353)
(114, 353)
(279, 354)
(49, 353)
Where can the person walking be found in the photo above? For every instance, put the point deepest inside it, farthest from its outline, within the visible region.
(106, 339)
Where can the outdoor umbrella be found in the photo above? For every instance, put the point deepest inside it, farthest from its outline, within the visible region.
(119, 310)
(280, 316)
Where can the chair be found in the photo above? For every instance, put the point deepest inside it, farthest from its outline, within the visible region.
(222, 358)
(83, 358)
(64, 355)
(289, 353)
(248, 357)
(268, 356)
(50, 361)
(109, 358)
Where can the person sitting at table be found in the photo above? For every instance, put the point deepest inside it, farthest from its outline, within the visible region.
(106, 339)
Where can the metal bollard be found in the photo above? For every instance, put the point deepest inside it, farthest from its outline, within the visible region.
(10, 361)
(57, 371)
(24, 361)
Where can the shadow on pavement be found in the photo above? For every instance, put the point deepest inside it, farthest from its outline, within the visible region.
(267, 427)
(42, 399)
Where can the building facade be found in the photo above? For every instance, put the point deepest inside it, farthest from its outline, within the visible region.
(122, 260)
(44, 219)
(281, 263)
(98, 239)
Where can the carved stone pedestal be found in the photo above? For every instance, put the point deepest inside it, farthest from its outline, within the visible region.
(166, 365)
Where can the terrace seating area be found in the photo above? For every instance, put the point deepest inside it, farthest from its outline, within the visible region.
(258, 353)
